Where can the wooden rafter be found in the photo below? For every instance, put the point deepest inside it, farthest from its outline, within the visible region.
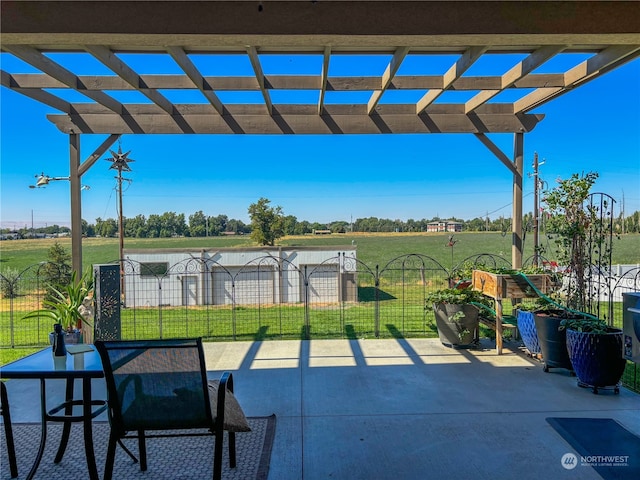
(109, 59)
(452, 75)
(181, 58)
(257, 69)
(36, 59)
(387, 77)
(533, 61)
(324, 75)
(588, 70)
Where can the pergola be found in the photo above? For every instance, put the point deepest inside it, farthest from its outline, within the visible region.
(405, 31)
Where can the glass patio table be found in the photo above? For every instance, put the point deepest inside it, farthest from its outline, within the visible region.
(85, 364)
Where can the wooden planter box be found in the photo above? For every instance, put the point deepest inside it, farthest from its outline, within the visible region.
(501, 285)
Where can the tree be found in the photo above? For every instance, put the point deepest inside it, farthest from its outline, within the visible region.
(135, 227)
(88, 230)
(290, 222)
(56, 272)
(218, 225)
(10, 283)
(266, 222)
(198, 224)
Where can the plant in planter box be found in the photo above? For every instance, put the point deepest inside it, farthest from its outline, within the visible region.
(456, 315)
(583, 223)
(64, 306)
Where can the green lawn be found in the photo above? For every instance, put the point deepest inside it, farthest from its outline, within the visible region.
(373, 249)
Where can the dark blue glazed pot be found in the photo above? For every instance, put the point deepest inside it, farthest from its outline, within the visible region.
(596, 357)
(528, 332)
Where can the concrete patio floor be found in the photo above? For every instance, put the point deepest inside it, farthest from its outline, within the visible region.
(400, 408)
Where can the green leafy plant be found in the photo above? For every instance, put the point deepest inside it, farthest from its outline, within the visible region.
(573, 224)
(584, 324)
(64, 302)
(10, 283)
(456, 296)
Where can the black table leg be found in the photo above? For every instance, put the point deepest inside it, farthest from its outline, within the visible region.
(66, 428)
(88, 429)
(43, 429)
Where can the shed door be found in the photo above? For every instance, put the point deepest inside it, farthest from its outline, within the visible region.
(189, 290)
(323, 284)
(252, 287)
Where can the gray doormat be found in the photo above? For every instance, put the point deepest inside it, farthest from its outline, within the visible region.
(601, 443)
(173, 458)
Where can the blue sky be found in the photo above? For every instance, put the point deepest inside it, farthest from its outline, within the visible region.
(322, 178)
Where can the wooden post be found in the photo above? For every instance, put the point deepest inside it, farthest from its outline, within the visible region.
(76, 205)
(516, 229)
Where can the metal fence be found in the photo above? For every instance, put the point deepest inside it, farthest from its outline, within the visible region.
(270, 297)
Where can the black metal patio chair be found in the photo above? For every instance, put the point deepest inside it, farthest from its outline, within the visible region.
(161, 386)
(8, 430)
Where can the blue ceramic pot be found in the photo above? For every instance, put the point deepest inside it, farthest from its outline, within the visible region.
(596, 357)
(528, 332)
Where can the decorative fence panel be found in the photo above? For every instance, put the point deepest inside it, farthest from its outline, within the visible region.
(271, 297)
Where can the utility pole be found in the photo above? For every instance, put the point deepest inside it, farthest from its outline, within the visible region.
(537, 183)
(536, 209)
(622, 211)
(120, 163)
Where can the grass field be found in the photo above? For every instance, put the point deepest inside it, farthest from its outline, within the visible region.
(373, 248)
(401, 317)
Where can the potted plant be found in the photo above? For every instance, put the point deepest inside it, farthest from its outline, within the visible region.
(66, 304)
(584, 231)
(525, 318)
(456, 315)
(595, 351)
(551, 338)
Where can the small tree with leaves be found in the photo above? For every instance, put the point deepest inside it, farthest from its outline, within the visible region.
(56, 272)
(267, 223)
(9, 283)
(573, 220)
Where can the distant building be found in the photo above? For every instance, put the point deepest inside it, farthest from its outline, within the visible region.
(243, 276)
(9, 236)
(446, 226)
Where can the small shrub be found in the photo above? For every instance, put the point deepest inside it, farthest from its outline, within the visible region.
(9, 283)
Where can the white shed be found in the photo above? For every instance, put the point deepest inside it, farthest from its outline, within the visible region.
(240, 276)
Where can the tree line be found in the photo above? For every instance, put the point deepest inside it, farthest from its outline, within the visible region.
(198, 224)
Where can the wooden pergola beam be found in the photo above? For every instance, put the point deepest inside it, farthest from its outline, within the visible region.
(451, 76)
(109, 59)
(324, 77)
(257, 69)
(297, 124)
(387, 77)
(36, 59)
(181, 58)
